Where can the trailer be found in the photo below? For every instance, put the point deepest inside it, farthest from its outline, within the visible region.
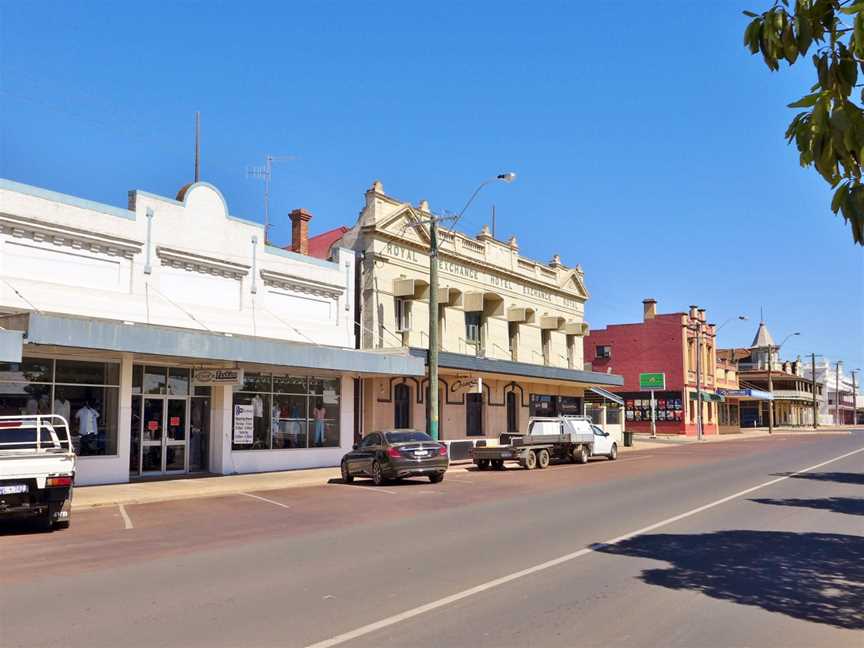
(566, 438)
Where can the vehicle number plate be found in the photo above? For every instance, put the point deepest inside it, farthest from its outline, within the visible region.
(421, 453)
(13, 489)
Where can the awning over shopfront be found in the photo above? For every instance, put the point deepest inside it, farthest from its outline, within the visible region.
(707, 396)
(109, 335)
(521, 369)
(615, 398)
(747, 394)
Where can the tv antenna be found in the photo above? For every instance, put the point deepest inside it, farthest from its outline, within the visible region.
(266, 172)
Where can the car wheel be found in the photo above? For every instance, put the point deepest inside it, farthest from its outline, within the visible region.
(498, 464)
(436, 478)
(613, 452)
(581, 454)
(530, 461)
(347, 477)
(483, 464)
(543, 458)
(378, 474)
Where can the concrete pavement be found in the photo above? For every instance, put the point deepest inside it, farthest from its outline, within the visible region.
(775, 566)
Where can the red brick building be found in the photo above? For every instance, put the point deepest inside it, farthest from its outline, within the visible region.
(661, 343)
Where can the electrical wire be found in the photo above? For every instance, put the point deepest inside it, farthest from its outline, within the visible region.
(23, 298)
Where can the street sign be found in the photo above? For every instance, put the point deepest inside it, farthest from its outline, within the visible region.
(652, 381)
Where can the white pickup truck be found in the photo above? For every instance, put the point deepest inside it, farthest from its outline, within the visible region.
(569, 438)
(37, 469)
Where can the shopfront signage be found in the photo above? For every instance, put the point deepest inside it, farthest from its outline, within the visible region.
(448, 267)
(244, 424)
(218, 377)
(655, 381)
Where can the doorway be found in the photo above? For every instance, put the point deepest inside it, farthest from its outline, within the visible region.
(401, 406)
(474, 414)
(164, 431)
(512, 413)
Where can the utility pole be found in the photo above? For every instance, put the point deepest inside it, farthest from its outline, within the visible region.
(432, 418)
(771, 392)
(837, 393)
(854, 398)
(197, 145)
(813, 375)
(433, 328)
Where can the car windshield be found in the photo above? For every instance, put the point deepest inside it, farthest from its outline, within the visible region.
(407, 437)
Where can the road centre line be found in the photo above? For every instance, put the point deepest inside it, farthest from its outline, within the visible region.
(522, 573)
(264, 499)
(127, 521)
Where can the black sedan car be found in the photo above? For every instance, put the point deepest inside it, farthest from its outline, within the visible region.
(396, 454)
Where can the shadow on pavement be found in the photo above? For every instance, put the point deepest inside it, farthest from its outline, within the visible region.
(815, 577)
(839, 477)
(847, 505)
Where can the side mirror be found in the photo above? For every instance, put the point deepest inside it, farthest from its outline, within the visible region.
(354, 447)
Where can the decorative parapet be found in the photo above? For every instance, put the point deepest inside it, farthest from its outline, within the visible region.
(60, 235)
(296, 284)
(197, 263)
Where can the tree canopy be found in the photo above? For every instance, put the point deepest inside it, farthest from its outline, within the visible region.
(829, 129)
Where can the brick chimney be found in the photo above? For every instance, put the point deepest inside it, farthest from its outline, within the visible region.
(649, 309)
(694, 311)
(300, 231)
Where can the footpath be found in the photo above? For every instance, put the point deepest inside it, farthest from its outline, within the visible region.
(161, 490)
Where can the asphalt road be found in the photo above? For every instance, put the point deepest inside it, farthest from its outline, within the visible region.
(722, 544)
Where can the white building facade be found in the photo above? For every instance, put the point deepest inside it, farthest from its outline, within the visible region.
(838, 401)
(173, 339)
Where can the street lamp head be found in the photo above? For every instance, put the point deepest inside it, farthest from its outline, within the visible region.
(508, 177)
(743, 318)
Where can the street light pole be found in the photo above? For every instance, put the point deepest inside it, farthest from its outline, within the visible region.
(432, 417)
(854, 398)
(813, 376)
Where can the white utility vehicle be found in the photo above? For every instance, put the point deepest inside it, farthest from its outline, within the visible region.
(572, 438)
(37, 469)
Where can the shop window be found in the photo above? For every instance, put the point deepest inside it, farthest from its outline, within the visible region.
(403, 315)
(85, 393)
(178, 381)
(288, 412)
(603, 352)
(155, 380)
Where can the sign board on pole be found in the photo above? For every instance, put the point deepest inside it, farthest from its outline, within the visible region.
(652, 381)
(218, 377)
(244, 424)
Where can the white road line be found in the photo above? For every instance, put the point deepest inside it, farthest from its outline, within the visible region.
(375, 489)
(127, 521)
(483, 587)
(461, 481)
(264, 499)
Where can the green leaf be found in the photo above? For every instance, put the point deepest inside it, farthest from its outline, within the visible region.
(804, 32)
(790, 50)
(858, 7)
(750, 14)
(807, 101)
(859, 35)
(840, 197)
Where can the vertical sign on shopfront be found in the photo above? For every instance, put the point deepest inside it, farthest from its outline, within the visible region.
(652, 382)
(244, 424)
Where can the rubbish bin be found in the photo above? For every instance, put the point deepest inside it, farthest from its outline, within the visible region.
(628, 439)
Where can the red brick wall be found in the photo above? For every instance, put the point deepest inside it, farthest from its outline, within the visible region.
(655, 345)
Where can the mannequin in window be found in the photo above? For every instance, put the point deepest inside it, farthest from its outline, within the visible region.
(318, 415)
(88, 428)
(63, 407)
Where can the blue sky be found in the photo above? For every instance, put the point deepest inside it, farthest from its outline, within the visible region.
(648, 142)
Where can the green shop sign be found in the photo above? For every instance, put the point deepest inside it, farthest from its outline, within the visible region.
(655, 381)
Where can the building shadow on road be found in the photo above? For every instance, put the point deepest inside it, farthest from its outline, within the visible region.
(847, 505)
(816, 577)
(839, 477)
